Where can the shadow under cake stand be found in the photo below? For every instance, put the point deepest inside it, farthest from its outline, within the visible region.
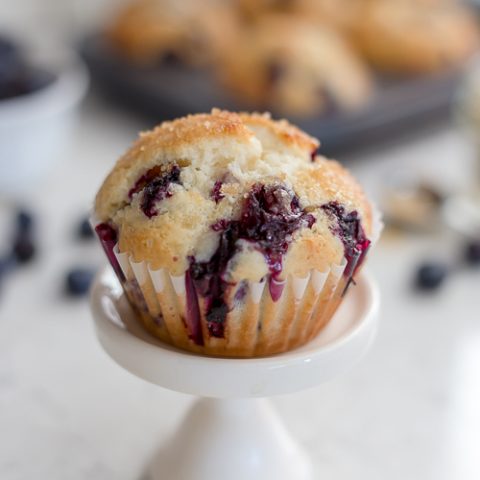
(231, 433)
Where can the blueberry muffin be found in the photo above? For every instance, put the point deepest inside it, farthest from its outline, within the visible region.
(296, 68)
(163, 31)
(414, 36)
(230, 235)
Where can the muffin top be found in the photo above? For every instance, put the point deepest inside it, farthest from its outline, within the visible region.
(238, 195)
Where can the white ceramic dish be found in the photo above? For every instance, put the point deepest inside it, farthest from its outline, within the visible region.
(35, 127)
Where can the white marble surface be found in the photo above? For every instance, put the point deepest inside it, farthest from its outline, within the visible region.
(410, 410)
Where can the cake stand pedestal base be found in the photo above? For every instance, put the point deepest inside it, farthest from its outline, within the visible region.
(234, 440)
(231, 434)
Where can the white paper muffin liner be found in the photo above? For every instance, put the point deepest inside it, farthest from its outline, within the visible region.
(266, 317)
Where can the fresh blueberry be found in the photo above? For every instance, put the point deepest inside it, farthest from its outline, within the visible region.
(430, 276)
(24, 221)
(78, 281)
(472, 253)
(84, 230)
(24, 249)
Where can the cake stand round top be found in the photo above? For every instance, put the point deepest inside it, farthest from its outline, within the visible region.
(338, 347)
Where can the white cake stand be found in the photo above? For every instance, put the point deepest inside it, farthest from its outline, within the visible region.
(230, 434)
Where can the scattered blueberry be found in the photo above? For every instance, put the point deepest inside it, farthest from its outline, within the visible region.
(84, 230)
(24, 249)
(78, 281)
(430, 276)
(472, 253)
(24, 221)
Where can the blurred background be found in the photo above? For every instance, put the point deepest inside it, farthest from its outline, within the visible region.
(392, 90)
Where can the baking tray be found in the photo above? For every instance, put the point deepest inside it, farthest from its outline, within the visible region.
(165, 92)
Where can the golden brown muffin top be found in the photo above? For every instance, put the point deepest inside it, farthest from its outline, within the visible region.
(205, 167)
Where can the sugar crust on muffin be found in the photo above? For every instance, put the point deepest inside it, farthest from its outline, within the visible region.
(240, 151)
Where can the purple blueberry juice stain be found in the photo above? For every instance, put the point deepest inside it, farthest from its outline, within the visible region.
(241, 292)
(275, 288)
(270, 215)
(208, 281)
(348, 228)
(135, 294)
(216, 192)
(154, 186)
(108, 238)
(192, 319)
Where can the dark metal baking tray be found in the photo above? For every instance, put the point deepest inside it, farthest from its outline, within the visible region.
(165, 92)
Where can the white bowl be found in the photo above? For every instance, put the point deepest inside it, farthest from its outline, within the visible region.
(35, 127)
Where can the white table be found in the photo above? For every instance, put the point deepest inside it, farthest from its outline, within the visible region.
(409, 411)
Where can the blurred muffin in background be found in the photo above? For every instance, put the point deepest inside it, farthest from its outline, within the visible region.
(415, 36)
(163, 31)
(295, 67)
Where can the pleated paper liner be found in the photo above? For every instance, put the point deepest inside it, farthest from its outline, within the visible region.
(258, 324)
(265, 318)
